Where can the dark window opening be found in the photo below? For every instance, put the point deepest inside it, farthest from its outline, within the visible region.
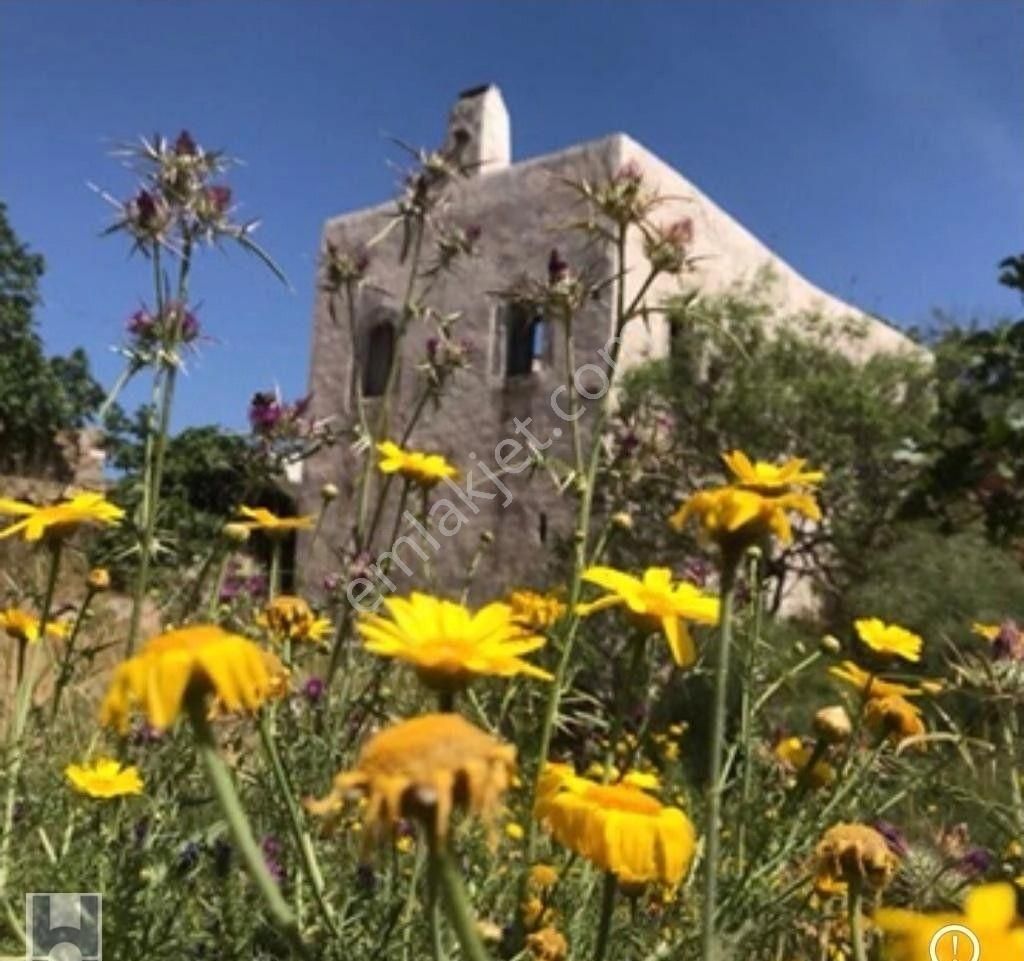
(527, 342)
(379, 356)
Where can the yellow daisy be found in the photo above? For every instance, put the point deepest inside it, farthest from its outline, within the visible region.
(535, 610)
(894, 716)
(449, 644)
(288, 617)
(422, 468)
(869, 684)
(203, 658)
(261, 519)
(619, 828)
(25, 627)
(58, 520)
(889, 638)
(794, 756)
(655, 603)
(104, 778)
(988, 631)
(990, 912)
(734, 517)
(767, 478)
(422, 769)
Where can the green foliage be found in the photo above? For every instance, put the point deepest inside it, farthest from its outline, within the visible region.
(742, 376)
(39, 395)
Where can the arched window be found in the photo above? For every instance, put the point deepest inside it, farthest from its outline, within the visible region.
(378, 358)
(526, 340)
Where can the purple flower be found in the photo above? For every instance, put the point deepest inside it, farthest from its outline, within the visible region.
(264, 412)
(313, 689)
(219, 198)
(185, 146)
(696, 571)
(144, 734)
(272, 851)
(331, 582)
(558, 269)
(145, 208)
(894, 837)
(976, 862)
(628, 442)
(140, 323)
(1008, 644)
(432, 344)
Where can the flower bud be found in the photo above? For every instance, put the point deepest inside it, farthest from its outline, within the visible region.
(329, 492)
(98, 579)
(623, 520)
(238, 533)
(830, 644)
(833, 724)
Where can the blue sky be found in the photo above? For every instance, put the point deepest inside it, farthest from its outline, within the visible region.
(877, 146)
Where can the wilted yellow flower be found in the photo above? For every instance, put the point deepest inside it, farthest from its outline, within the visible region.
(290, 618)
(422, 769)
(98, 579)
(795, 756)
(417, 466)
(542, 877)
(990, 912)
(58, 520)
(203, 658)
(617, 827)
(767, 478)
(449, 644)
(261, 519)
(104, 778)
(547, 944)
(889, 638)
(894, 716)
(535, 610)
(833, 724)
(869, 684)
(25, 627)
(656, 604)
(853, 852)
(734, 517)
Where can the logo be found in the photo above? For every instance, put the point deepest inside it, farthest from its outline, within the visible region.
(63, 927)
(959, 943)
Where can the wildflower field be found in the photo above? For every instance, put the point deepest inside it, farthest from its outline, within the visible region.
(635, 756)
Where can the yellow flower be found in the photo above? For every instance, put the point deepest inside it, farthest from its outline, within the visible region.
(58, 520)
(98, 579)
(795, 755)
(988, 631)
(990, 911)
(868, 684)
(853, 852)
(25, 627)
(291, 618)
(534, 610)
(657, 604)
(260, 519)
(514, 831)
(643, 780)
(422, 769)
(104, 778)
(617, 827)
(768, 478)
(889, 638)
(734, 517)
(203, 658)
(547, 944)
(542, 877)
(895, 716)
(449, 644)
(424, 469)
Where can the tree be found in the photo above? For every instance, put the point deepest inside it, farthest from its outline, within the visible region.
(40, 396)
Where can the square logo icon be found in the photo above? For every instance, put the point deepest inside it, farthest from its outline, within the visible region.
(64, 927)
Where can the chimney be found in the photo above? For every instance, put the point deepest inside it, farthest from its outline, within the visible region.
(481, 119)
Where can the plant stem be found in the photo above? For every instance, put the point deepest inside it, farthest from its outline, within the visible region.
(449, 884)
(746, 711)
(608, 889)
(222, 782)
(303, 841)
(709, 938)
(856, 920)
(275, 568)
(65, 671)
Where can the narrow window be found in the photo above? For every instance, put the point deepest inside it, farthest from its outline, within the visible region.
(379, 356)
(526, 341)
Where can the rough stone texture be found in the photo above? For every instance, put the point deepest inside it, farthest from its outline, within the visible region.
(519, 207)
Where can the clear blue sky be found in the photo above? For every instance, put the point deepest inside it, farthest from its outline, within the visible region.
(877, 146)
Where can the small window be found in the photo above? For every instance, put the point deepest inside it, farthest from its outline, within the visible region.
(527, 341)
(378, 358)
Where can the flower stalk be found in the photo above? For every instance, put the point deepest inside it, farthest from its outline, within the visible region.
(609, 886)
(452, 894)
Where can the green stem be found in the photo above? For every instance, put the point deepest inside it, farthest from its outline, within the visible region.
(856, 919)
(275, 568)
(65, 671)
(434, 912)
(604, 927)
(222, 782)
(1011, 738)
(712, 853)
(301, 835)
(746, 710)
(449, 884)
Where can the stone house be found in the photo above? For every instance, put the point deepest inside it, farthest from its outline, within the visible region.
(508, 394)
